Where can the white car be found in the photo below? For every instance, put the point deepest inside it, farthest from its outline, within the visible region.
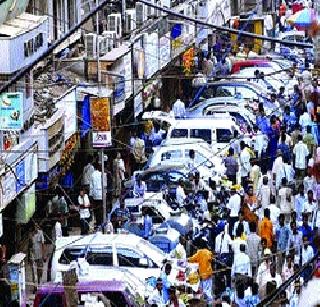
(128, 251)
(172, 151)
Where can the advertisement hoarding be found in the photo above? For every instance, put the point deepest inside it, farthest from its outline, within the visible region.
(151, 62)
(101, 122)
(11, 111)
(20, 176)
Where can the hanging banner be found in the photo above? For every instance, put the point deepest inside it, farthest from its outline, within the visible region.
(188, 61)
(127, 75)
(8, 188)
(101, 122)
(151, 63)
(20, 173)
(26, 206)
(11, 111)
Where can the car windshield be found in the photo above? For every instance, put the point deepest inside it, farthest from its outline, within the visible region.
(179, 133)
(150, 250)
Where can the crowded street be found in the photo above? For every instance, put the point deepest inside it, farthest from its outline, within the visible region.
(160, 153)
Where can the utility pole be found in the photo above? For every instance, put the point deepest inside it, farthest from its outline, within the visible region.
(104, 200)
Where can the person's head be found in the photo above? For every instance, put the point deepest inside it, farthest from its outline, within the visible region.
(305, 220)
(241, 216)
(82, 191)
(242, 248)
(284, 181)
(281, 219)
(255, 289)
(250, 190)
(300, 137)
(235, 134)
(90, 159)
(283, 138)
(122, 204)
(289, 261)
(310, 196)
(182, 240)
(231, 152)
(273, 270)
(293, 225)
(159, 284)
(242, 145)
(273, 97)
(301, 189)
(266, 213)
(232, 191)
(265, 180)
(253, 227)
(239, 231)
(168, 268)
(287, 110)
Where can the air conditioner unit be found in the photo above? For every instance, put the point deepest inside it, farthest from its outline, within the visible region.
(111, 40)
(90, 42)
(130, 23)
(140, 14)
(114, 24)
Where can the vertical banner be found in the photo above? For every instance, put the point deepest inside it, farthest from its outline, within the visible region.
(101, 122)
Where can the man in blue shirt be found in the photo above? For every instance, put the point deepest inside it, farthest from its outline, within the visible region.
(300, 199)
(282, 235)
(147, 225)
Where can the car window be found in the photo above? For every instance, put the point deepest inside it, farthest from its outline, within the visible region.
(240, 120)
(153, 176)
(71, 254)
(179, 133)
(100, 256)
(175, 176)
(245, 93)
(116, 298)
(199, 158)
(204, 134)
(225, 91)
(171, 155)
(128, 257)
(223, 136)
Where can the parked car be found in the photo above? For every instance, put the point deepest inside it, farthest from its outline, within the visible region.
(217, 132)
(128, 251)
(236, 89)
(176, 152)
(117, 285)
(239, 65)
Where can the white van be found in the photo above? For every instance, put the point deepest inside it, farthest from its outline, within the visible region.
(217, 131)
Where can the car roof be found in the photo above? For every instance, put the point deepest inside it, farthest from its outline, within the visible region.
(207, 122)
(183, 141)
(96, 239)
(163, 168)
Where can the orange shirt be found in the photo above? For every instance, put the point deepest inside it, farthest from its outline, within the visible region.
(204, 258)
(266, 231)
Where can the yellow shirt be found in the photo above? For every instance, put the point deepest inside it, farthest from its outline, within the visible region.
(204, 258)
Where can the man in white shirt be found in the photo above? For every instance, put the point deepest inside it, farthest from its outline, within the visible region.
(245, 224)
(235, 245)
(241, 263)
(316, 218)
(272, 275)
(157, 297)
(245, 165)
(84, 205)
(233, 207)
(87, 173)
(268, 22)
(278, 170)
(260, 142)
(179, 109)
(301, 153)
(306, 255)
(58, 228)
(264, 195)
(180, 194)
(285, 200)
(223, 243)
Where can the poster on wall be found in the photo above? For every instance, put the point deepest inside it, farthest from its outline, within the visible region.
(11, 111)
(127, 75)
(101, 122)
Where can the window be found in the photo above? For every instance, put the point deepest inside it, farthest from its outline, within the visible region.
(204, 134)
(175, 177)
(223, 136)
(71, 254)
(49, 300)
(245, 93)
(154, 182)
(171, 155)
(225, 91)
(128, 257)
(179, 133)
(27, 85)
(102, 257)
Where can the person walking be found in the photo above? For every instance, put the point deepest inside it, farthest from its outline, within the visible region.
(179, 109)
(254, 247)
(204, 258)
(119, 171)
(232, 166)
(84, 211)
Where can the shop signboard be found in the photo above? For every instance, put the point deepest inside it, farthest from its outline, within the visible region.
(151, 62)
(8, 188)
(26, 206)
(68, 105)
(164, 51)
(20, 176)
(11, 111)
(101, 122)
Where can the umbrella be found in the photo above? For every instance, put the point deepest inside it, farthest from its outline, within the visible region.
(303, 18)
